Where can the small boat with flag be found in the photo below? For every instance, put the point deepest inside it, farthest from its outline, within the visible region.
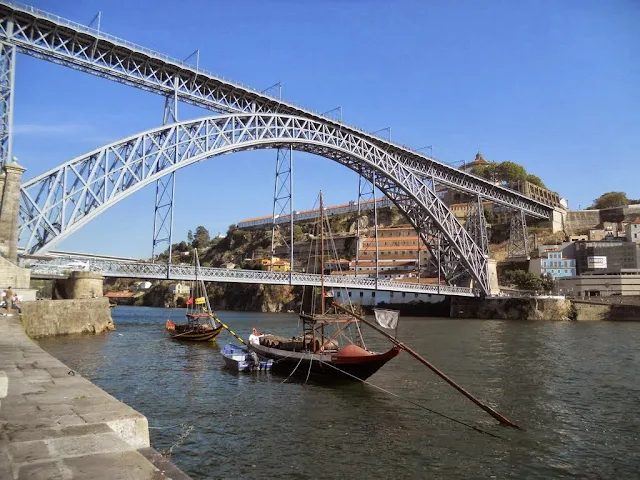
(202, 325)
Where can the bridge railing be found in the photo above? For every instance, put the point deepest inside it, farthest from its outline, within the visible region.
(57, 267)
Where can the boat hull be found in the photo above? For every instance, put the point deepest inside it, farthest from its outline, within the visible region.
(327, 366)
(178, 333)
(240, 359)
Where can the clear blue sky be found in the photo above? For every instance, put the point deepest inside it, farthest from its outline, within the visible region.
(553, 85)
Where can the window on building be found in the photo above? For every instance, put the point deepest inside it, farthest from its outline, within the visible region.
(361, 294)
(373, 294)
(404, 294)
(391, 294)
(415, 295)
(338, 293)
(349, 293)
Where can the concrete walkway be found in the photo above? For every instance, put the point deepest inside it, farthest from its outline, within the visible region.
(56, 425)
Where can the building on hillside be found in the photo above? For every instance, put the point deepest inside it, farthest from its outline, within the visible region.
(141, 286)
(553, 262)
(632, 231)
(609, 256)
(228, 265)
(177, 289)
(400, 254)
(275, 264)
(624, 282)
(121, 298)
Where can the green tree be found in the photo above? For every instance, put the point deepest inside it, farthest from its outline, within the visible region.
(298, 233)
(524, 280)
(511, 172)
(201, 238)
(190, 237)
(610, 200)
(535, 180)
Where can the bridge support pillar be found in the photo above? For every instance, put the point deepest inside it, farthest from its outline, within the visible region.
(80, 285)
(9, 210)
(492, 266)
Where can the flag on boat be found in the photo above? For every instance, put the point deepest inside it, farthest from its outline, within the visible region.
(190, 301)
(386, 318)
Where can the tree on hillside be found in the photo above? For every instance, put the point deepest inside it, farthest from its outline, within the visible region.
(610, 200)
(535, 180)
(505, 172)
(201, 239)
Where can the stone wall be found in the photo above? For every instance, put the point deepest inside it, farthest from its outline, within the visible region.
(13, 276)
(579, 221)
(512, 308)
(604, 311)
(79, 285)
(63, 317)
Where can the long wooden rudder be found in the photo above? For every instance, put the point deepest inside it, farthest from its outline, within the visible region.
(501, 418)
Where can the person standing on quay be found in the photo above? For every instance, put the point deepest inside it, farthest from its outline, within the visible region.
(9, 298)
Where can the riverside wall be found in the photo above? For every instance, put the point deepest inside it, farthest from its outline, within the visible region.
(511, 308)
(64, 317)
(56, 424)
(536, 308)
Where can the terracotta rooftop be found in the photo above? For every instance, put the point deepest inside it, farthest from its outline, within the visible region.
(125, 294)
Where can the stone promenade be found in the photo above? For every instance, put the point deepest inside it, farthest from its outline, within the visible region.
(57, 425)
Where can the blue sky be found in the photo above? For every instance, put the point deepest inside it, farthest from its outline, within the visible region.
(551, 85)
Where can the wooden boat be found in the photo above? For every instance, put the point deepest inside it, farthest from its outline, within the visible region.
(202, 325)
(331, 347)
(241, 359)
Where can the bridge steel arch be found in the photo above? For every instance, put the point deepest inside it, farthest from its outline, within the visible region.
(58, 202)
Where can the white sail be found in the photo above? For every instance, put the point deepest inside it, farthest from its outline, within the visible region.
(386, 318)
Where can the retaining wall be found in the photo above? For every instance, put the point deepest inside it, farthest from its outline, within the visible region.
(605, 311)
(63, 317)
(511, 308)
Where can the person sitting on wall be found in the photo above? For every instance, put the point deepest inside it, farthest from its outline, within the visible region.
(8, 295)
(17, 301)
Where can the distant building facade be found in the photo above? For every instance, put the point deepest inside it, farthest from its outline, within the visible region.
(632, 231)
(609, 256)
(552, 262)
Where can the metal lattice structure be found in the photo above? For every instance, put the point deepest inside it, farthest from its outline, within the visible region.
(518, 246)
(7, 72)
(61, 41)
(476, 224)
(58, 202)
(56, 267)
(165, 192)
(283, 200)
(366, 195)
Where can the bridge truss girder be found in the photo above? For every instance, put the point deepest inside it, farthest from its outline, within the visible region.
(58, 202)
(51, 38)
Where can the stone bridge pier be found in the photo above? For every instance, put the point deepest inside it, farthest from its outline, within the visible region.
(79, 285)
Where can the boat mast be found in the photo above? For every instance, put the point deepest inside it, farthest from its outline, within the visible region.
(321, 255)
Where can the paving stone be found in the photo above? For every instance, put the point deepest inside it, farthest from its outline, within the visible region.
(24, 452)
(113, 466)
(88, 444)
(53, 470)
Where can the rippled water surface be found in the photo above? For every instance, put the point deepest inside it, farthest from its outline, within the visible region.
(573, 387)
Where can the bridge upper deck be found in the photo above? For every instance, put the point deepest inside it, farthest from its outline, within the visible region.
(43, 35)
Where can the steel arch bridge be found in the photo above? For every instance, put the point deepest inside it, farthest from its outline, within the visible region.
(58, 202)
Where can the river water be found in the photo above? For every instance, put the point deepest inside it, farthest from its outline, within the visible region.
(573, 387)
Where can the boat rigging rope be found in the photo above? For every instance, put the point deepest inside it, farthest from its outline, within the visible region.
(477, 429)
(294, 370)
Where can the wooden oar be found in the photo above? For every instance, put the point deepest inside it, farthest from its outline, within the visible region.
(229, 330)
(501, 418)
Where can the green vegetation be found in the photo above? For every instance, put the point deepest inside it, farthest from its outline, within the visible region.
(525, 280)
(505, 172)
(611, 200)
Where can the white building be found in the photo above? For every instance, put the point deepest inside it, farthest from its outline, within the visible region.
(632, 231)
(179, 289)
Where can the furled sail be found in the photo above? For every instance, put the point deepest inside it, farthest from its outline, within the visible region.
(386, 318)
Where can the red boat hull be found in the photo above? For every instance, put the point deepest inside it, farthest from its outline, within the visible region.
(326, 366)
